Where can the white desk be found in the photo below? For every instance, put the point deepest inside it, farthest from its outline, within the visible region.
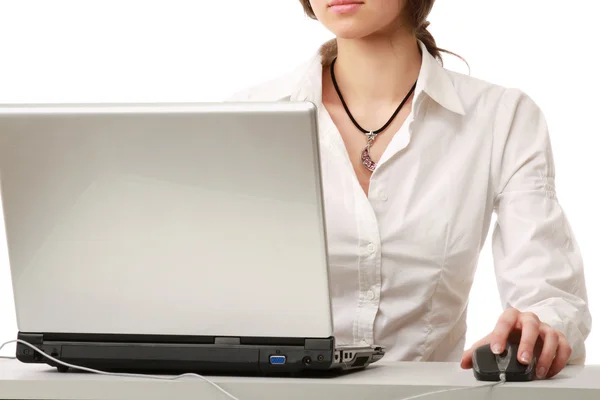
(386, 381)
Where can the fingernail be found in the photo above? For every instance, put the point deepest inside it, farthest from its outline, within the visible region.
(541, 372)
(497, 349)
(525, 357)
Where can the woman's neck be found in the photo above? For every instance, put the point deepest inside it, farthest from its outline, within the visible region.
(378, 69)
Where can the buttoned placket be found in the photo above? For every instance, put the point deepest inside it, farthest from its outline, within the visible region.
(370, 275)
(369, 265)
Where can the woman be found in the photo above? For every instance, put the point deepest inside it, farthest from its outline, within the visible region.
(415, 159)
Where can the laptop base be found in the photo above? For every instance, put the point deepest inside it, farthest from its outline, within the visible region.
(195, 354)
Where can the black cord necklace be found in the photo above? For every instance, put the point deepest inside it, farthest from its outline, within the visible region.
(365, 156)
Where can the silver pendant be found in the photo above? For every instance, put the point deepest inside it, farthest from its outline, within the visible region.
(365, 156)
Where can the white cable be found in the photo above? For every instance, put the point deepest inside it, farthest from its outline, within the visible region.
(6, 357)
(420, 396)
(141, 376)
(232, 397)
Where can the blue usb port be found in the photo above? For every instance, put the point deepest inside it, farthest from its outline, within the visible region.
(277, 360)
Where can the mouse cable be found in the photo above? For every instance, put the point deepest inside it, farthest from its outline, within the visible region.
(232, 397)
(490, 385)
(123, 375)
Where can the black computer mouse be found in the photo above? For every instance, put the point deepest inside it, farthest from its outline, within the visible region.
(488, 366)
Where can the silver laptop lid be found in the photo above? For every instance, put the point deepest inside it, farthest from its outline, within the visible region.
(166, 219)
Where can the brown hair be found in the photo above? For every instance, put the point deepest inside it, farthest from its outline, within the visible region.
(417, 12)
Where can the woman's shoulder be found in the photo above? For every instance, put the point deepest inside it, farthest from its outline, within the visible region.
(277, 88)
(480, 94)
(269, 90)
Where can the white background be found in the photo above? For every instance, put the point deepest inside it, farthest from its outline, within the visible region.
(175, 50)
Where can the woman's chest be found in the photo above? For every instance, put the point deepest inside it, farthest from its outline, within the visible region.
(430, 195)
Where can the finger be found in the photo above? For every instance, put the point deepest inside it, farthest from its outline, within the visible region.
(505, 325)
(529, 336)
(467, 357)
(563, 354)
(549, 351)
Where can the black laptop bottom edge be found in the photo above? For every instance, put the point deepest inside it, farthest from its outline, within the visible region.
(194, 354)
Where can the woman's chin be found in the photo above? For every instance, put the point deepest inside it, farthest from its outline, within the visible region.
(350, 31)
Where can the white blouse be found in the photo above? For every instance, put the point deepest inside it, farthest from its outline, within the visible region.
(403, 258)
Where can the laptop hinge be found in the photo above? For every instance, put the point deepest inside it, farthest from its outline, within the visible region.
(319, 344)
(31, 338)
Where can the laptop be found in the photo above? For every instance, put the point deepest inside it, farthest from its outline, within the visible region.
(170, 238)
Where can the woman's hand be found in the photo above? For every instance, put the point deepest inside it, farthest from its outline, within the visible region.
(555, 352)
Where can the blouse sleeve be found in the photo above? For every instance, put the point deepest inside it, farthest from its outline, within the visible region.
(537, 261)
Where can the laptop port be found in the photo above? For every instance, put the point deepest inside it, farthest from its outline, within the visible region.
(277, 360)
